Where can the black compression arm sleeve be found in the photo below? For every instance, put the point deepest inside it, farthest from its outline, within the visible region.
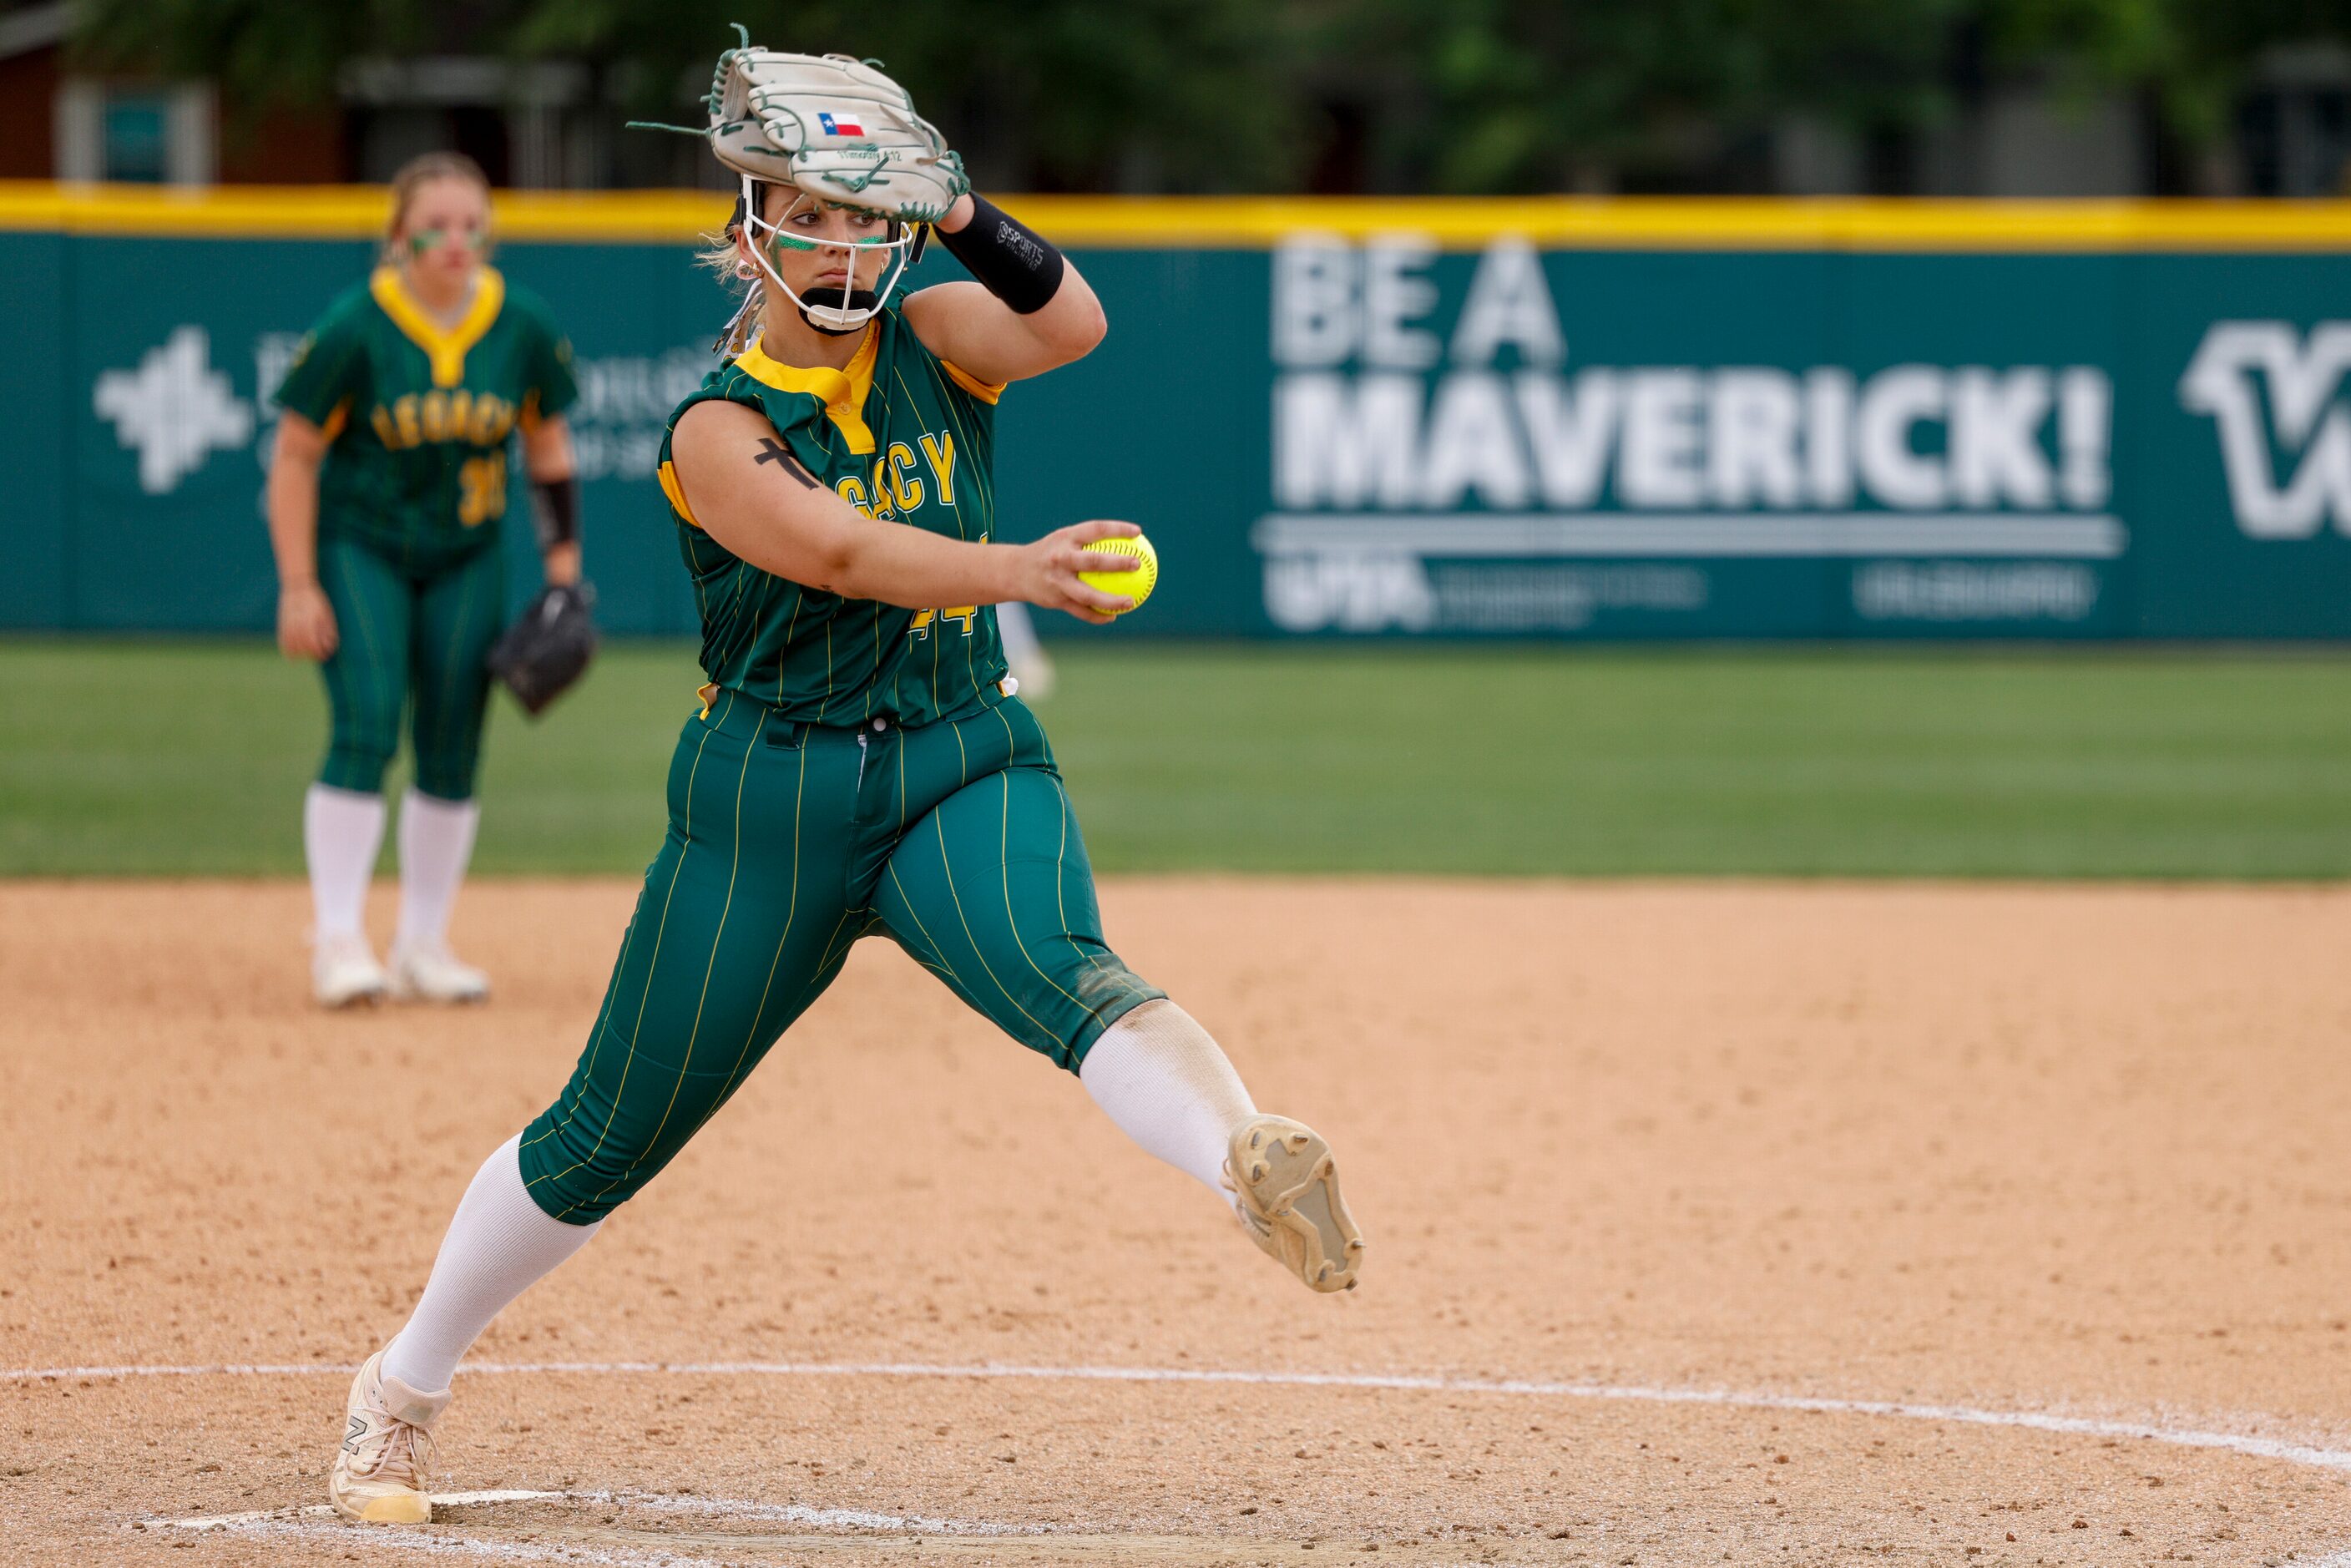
(556, 511)
(1009, 258)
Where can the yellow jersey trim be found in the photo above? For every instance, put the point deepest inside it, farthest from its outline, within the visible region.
(445, 347)
(339, 416)
(1257, 223)
(986, 392)
(667, 474)
(842, 392)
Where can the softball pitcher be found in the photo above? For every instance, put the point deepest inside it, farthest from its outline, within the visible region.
(857, 762)
(386, 490)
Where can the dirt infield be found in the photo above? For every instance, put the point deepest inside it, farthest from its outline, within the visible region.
(1708, 1223)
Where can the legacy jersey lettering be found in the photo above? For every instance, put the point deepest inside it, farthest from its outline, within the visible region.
(412, 420)
(907, 439)
(419, 414)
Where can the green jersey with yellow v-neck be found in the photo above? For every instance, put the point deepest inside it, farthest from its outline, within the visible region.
(418, 414)
(907, 439)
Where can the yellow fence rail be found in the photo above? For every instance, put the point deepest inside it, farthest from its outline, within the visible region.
(1246, 223)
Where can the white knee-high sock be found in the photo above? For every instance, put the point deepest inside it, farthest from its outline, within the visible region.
(436, 840)
(1161, 1077)
(1016, 632)
(341, 831)
(500, 1244)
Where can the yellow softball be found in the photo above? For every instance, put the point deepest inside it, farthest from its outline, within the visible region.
(1136, 584)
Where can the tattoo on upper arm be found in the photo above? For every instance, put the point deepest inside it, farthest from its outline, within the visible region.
(770, 451)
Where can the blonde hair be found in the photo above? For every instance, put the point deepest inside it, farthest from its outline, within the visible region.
(720, 256)
(413, 176)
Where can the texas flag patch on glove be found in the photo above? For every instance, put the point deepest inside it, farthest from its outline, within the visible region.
(840, 124)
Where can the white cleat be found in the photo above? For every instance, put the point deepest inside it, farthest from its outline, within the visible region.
(381, 1474)
(422, 974)
(1287, 1187)
(343, 972)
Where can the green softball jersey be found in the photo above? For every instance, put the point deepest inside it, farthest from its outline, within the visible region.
(905, 437)
(418, 416)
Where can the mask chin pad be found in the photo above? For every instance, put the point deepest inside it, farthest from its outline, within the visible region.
(862, 304)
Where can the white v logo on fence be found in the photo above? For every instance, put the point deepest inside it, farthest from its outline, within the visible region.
(2305, 421)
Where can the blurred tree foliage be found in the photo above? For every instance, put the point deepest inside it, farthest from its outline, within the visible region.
(2191, 56)
(1277, 95)
(1514, 95)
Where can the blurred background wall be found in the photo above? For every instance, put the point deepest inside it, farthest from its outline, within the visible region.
(1537, 417)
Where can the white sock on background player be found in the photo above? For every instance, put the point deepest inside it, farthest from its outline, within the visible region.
(1168, 1085)
(1024, 655)
(436, 840)
(500, 1243)
(341, 831)
(1016, 632)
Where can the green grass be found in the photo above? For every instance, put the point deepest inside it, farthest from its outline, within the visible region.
(190, 758)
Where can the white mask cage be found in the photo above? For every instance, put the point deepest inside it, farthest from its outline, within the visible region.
(826, 310)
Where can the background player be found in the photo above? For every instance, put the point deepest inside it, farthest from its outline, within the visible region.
(857, 764)
(1024, 651)
(386, 493)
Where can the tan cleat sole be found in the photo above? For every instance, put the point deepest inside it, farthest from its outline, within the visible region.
(393, 1508)
(1288, 1185)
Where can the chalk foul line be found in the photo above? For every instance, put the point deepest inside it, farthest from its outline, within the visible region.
(660, 1502)
(2250, 1444)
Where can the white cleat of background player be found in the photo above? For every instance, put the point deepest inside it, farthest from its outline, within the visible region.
(1024, 655)
(344, 973)
(429, 972)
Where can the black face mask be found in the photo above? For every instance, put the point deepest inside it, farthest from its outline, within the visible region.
(829, 298)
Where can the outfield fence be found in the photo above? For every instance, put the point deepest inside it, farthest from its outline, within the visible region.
(1346, 419)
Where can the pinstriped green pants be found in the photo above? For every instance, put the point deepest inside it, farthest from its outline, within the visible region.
(787, 842)
(409, 640)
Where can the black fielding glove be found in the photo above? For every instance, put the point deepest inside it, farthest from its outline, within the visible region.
(549, 647)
